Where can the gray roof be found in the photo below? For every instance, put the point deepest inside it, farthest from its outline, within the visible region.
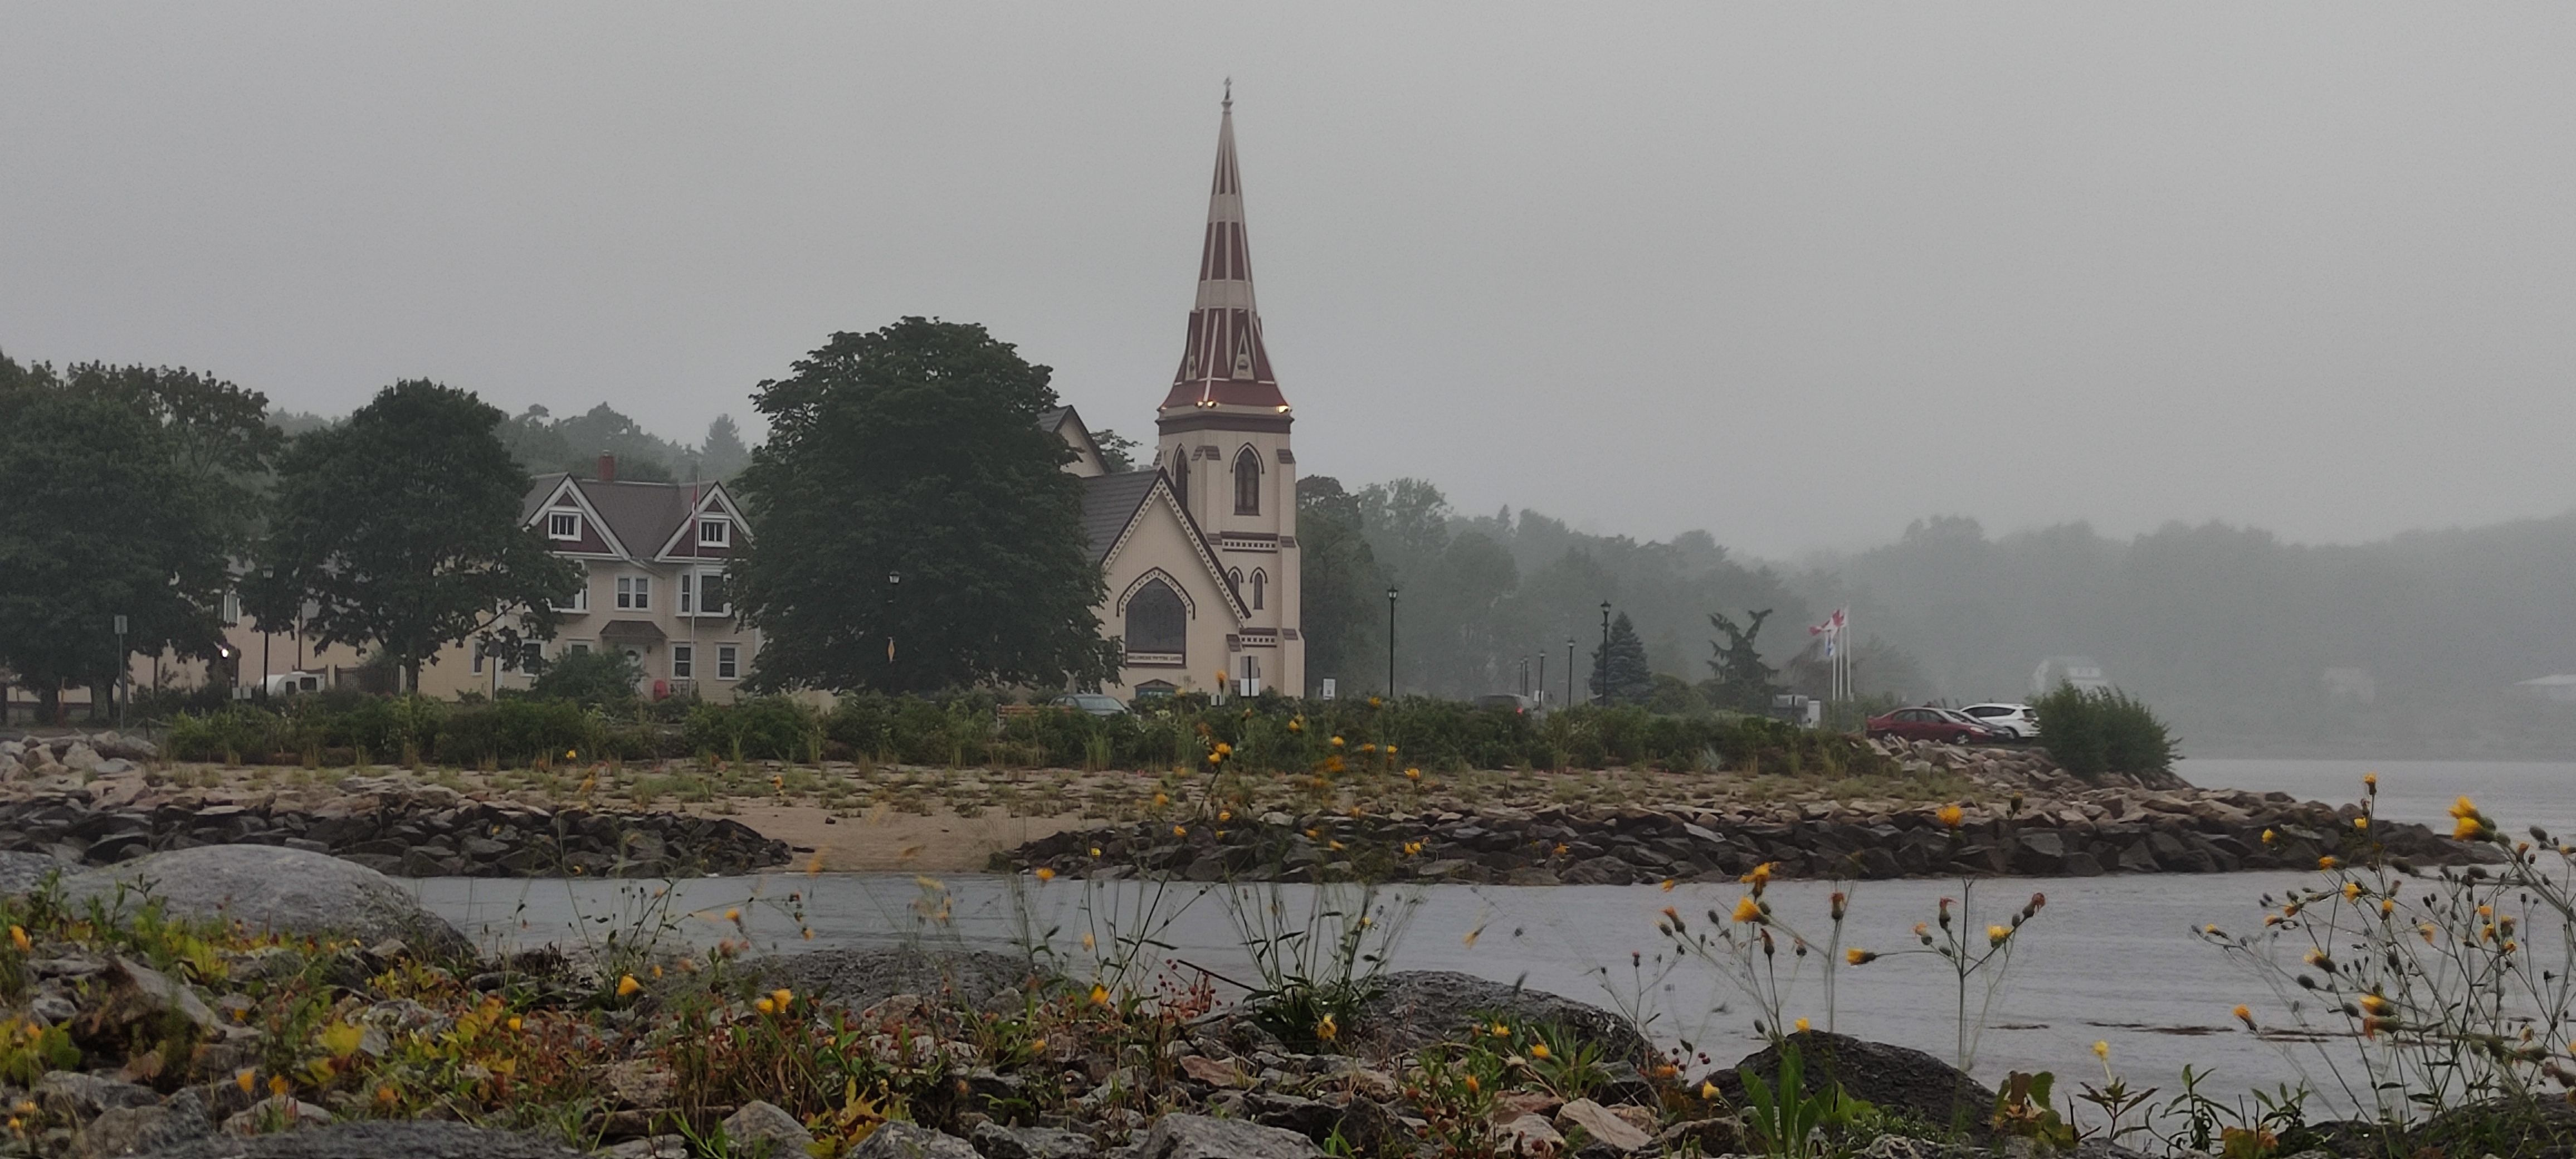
(642, 516)
(1048, 421)
(1109, 504)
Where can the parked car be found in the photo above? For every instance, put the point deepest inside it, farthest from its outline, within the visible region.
(1512, 702)
(1934, 724)
(2021, 720)
(1095, 703)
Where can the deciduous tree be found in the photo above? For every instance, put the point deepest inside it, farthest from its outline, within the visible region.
(402, 528)
(914, 450)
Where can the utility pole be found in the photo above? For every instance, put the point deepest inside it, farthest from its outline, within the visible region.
(894, 580)
(265, 636)
(1390, 642)
(124, 675)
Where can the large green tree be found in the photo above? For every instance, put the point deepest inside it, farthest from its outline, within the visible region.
(1620, 674)
(1738, 678)
(129, 488)
(401, 526)
(1340, 606)
(915, 451)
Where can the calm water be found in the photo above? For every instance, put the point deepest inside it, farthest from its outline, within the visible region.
(2110, 958)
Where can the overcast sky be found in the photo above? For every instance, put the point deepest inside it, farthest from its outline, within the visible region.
(1794, 273)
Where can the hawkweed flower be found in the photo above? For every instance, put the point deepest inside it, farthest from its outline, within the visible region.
(627, 986)
(1099, 994)
(1801, 1024)
(2327, 862)
(1539, 1051)
(18, 938)
(2245, 1015)
(1859, 957)
(1950, 815)
(1995, 935)
(1327, 1030)
(1748, 910)
(1045, 875)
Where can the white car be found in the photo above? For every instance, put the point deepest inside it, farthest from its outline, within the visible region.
(2017, 719)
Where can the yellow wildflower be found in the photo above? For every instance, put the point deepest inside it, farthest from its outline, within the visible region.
(1099, 994)
(765, 1006)
(1802, 1026)
(627, 986)
(1538, 1050)
(1748, 910)
(1995, 935)
(1859, 957)
(2244, 1015)
(18, 938)
(2102, 1050)
(1950, 815)
(1668, 885)
(1327, 1030)
(2327, 862)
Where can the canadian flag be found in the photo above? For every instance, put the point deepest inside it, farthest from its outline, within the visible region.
(1832, 629)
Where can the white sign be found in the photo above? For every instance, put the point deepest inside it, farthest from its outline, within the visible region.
(1328, 688)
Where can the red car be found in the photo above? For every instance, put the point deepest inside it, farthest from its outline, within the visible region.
(1933, 724)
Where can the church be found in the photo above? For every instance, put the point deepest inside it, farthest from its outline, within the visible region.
(1199, 548)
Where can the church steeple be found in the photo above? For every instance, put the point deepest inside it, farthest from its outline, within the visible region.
(1224, 363)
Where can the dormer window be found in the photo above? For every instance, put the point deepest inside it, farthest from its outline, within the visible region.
(563, 525)
(714, 533)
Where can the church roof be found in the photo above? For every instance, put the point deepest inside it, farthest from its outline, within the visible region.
(1109, 504)
(1224, 363)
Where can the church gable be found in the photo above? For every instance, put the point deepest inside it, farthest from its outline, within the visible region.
(1136, 525)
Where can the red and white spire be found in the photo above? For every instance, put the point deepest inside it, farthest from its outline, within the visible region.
(1224, 363)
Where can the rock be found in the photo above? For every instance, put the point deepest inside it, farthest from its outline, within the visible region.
(651, 1147)
(1200, 1137)
(276, 1113)
(373, 1139)
(145, 1129)
(1417, 1008)
(23, 872)
(1213, 1072)
(1897, 1079)
(73, 1095)
(1705, 1137)
(1528, 1135)
(273, 888)
(903, 1141)
(80, 758)
(1596, 1121)
(860, 979)
(999, 1142)
(139, 996)
(759, 1123)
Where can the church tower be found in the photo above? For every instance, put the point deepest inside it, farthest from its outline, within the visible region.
(1224, 440)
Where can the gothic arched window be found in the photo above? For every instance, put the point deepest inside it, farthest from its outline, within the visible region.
(1247, 483)
(1157, 624)
(1260, 582)
(1181, 477)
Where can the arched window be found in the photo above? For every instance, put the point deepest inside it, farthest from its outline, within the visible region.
(1234, 579)
(1181, 477)
(1158, 627)
(1260, 581)
(1247, 483)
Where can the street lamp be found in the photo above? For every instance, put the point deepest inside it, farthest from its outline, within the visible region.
(1541, 685)
(1601, 687)
(1569, 672)
(269, 577)
(1390, 642)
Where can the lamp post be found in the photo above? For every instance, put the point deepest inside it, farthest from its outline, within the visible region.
(268, 574)
(1569, 672)
(124, 674)
(1601, 686)
(1390, 642)
(1541, 685)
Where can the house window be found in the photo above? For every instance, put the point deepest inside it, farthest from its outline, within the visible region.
(1158, 625)
(1247, 483)
(578, 648)
(532, 656)
(684, 661)
(478, 659)
(580, 601)
(635, 592)
(1260, 581)
(713, 599)
(728, 662)
(714, 532)
(232, 607)
(563, 525)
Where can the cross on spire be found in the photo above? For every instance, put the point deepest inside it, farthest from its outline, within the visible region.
(1223, 362)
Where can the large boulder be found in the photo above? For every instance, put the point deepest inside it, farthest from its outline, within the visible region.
(374, 1139)
(1897, 1079)
(862, 978)
(23, 872)
(269, 887)
(906, 1141)
(1416, 1008)
(1200, 1137)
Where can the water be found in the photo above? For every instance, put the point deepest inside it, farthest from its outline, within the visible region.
(2109, 959)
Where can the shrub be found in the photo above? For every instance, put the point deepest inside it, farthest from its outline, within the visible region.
(519, 730)
(775, 728)
(605, 677)
(2106, 731)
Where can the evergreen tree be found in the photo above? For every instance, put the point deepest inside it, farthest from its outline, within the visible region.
(915, 451)
(1623, 677)
(723, 455)
(1740, 679)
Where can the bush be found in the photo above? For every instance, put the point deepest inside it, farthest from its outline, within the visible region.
(521, 730)
(765, 728)
(596, 678)
(2105, 731)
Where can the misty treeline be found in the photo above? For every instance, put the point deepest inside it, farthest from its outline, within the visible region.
(1479, 596)
(2234, 634)
(543, 443)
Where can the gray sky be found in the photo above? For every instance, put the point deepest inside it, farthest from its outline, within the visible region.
(2305, 266)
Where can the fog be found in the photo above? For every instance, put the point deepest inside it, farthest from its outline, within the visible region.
(1795, 274)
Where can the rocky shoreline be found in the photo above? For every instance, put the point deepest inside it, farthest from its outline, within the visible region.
(2026, 818)
(387, 824)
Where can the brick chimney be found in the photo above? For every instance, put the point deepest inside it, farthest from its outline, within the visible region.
(607, 467)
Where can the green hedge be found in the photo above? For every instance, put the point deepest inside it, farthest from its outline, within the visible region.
(2093, 733)
(1268, 734)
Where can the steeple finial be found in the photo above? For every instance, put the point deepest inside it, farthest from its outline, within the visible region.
(1228, 104)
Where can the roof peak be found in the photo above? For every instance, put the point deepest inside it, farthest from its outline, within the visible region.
(1223, 361)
